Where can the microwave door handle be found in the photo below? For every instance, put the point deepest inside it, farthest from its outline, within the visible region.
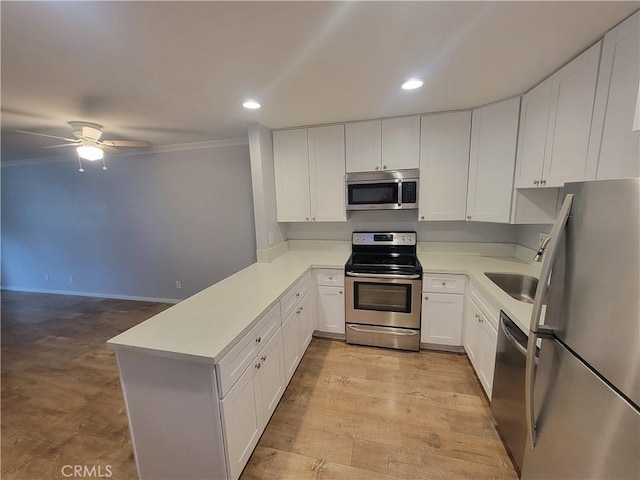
(400, 194)
(534, 328)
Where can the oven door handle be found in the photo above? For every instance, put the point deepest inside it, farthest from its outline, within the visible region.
(383, 275)
(392, 331)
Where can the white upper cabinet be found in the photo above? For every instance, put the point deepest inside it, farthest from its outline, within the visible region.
(326, 173)
(614, 149)
(364, 146)
(494, 131)
(291, 166)
(309, 174)
(389, 144)
(444, 166)
(556, 124)
(400, 143)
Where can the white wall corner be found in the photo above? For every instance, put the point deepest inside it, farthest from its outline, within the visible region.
(268, 255)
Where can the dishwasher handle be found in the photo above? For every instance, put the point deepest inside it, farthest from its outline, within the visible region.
(505, 329)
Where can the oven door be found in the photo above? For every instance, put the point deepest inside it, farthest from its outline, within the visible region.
(384, 300)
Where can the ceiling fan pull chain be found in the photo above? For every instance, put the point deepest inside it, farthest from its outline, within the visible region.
(81, 170)
(104, 165)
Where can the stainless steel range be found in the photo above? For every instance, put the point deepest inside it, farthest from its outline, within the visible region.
(383, 281)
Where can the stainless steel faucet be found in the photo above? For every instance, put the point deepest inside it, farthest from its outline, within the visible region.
(543, 246)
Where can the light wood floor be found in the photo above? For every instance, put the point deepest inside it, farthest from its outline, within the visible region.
(349, 412)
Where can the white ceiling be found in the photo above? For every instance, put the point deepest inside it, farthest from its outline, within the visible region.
(176, 72)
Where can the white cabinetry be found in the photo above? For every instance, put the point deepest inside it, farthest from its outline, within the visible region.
(494, 130)
(614, 149)
(309, 174)
(556, 124)
(444, 166)
(442, 312)
(389, 144)
(330, 301)
(480, 339)
(291, 342)
(249, 404)
(304, 313)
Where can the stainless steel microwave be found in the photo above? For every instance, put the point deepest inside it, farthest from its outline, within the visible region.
(386, 190)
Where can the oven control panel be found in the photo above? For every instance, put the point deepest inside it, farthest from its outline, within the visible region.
(384, 238)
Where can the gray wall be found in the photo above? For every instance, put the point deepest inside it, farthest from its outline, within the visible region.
(133, 230)
(528, 235)
(405, 220)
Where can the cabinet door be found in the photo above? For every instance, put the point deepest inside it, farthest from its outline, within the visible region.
(574, 88)
(326, 172)
(305, 319)
(534, 120)
(291, 169)
(331, 309)
(471, 331)
(494, 131)
(272, 375)
(400, 143)
(291, 345)
(243, 420)
(363, 146)
(614, 149)
(444, 166)
(488, 346)
(442, 319)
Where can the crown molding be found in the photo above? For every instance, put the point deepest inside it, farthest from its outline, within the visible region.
(177, 147)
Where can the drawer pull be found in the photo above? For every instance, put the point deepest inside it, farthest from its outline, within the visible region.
(257, 366)
(258, 340)
(444, 284)
(298, 311)
(298, 295)
(263, 358)
(340, 292)
(330, 278)
(426, 298)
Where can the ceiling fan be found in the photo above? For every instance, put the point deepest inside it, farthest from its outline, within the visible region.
(89, 143)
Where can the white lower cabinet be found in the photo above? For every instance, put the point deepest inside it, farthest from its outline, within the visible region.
(291, 344)
(248, 406)
(305, 320)
(442, 309)
(442, 319)
(331, 309)
(480, 340)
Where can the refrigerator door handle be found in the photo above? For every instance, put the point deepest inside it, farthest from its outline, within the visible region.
(541, 292)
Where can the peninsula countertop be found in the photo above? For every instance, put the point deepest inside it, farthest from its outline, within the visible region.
(207, 325)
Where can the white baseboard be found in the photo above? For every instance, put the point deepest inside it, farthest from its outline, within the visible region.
(93, 294)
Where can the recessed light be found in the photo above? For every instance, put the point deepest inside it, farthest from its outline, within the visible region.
(412, 84)
(251, 105)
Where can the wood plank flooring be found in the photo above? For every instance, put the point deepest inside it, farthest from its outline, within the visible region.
(349, 412)
(355, 412)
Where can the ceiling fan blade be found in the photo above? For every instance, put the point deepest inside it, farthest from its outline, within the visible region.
(109, 149)
(45, 135)
(126, 143)
(64, 145)
(91, 132)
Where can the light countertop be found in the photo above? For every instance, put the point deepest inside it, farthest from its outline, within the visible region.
(207, 325)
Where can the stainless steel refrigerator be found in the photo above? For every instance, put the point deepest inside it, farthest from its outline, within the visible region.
(583, 396)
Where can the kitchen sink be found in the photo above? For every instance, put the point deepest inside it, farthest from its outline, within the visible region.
(520, 287)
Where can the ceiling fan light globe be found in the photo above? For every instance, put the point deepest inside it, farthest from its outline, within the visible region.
(91, 153)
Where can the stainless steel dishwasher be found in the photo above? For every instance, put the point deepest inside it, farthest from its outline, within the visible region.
(508, 400)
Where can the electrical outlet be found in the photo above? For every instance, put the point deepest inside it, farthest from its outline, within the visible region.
(270, 238)
(178, 284)
(543, 236)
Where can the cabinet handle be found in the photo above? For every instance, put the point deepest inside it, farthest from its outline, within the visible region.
(377, 168)
(330, 278)
(306, 218)
(257, 365)
(536, 182)
(301, 308)
(263, 358)
(340, 292)
(543, 182)
(298, 295)
(384, 167)
(258, 340)
(422, 217)
(426, 298)
(444, 284)
(298, 311)
(314, 219)
(468, 217)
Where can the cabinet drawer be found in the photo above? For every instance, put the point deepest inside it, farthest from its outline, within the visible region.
(234, 363)
(443, 283)
(488, 307)
(330, 278)
(291, 299)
